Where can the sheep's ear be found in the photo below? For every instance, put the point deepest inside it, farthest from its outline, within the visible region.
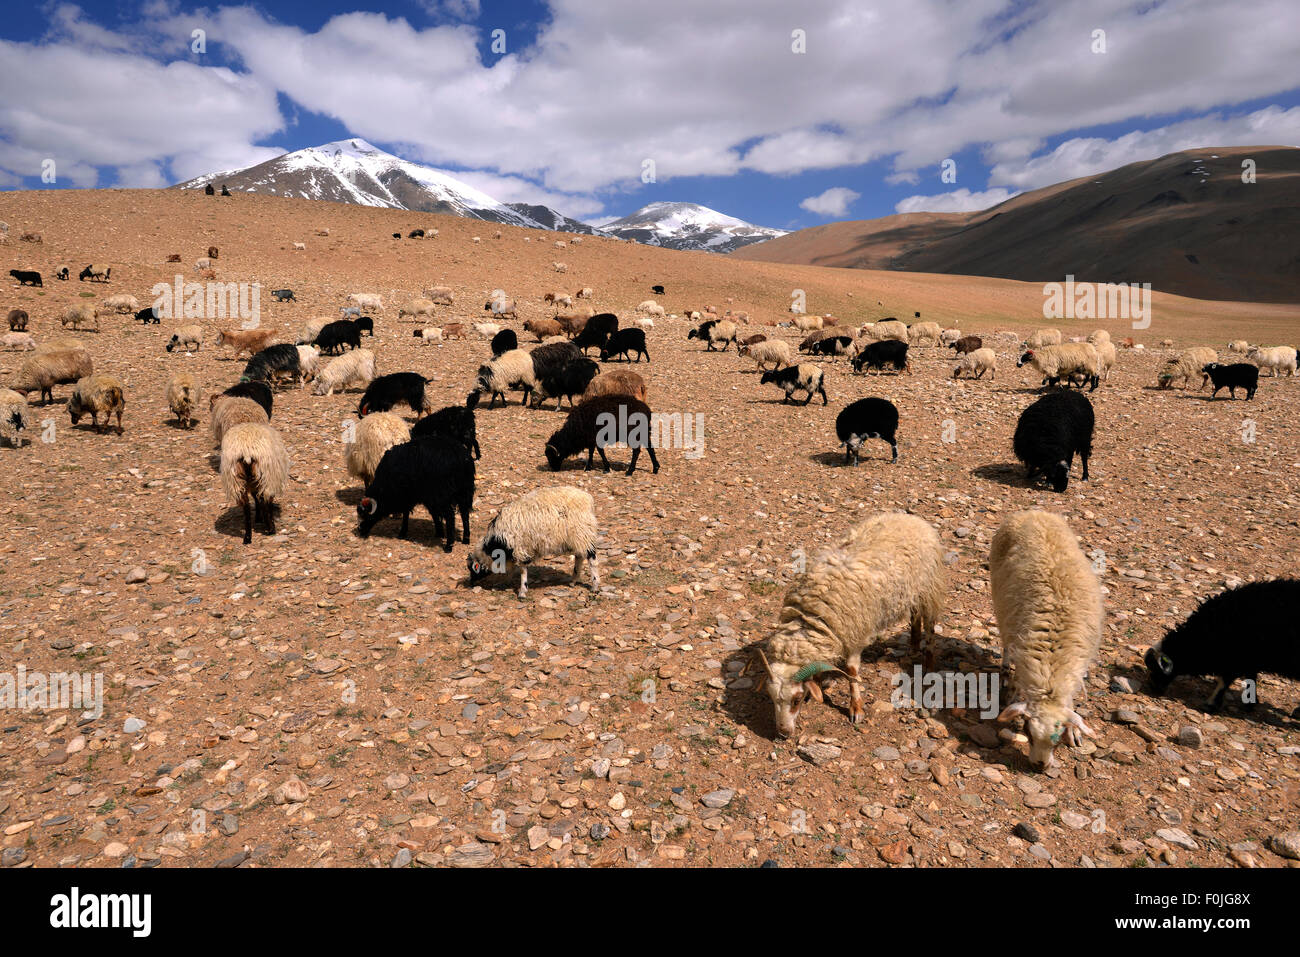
(766, 665)
(1011, 711)
(1077, 722)
(814, 689)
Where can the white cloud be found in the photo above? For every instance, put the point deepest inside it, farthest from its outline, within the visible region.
(958, 201)
(834, 202)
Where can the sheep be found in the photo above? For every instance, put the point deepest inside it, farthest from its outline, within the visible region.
(600, 422)
(922, 331)
(487, 329)
(239, 340)
(311, 329)
(948, 336)
(440, 295)
(44, 370)
(30, 237)
(775, 351)
(814, 337)
(542, 523)
(650, 307)
(877, 355)
(228, 411)
(809, 323)
(1277, 359)
(966, 345)
(584, 293)
(366, 301)
(453, 422)
(95, 273)
(308, 363)
(977, 363)
(254, 472)
(869, 418)
(200, 265)
(147, 315)
(542, 328)
(417, 308)
(81, 316)
(1065, 361)
(433, 471)
(1166, 343)
(564, 381)
(1239, 345)
(888, 329)
(386, 391)
(623, 342)
(259, 392)
(61, 344)
(1098, 336)
(501, 308)
(189, 338)
(14, 418)
(322, 232)
(805, 376)
(751, 340)
(741, 317)
(1049, 610)
(280, 360)
(1129, 343)
(17, 320)
(572, 324)
(336, 335)
(558, 299)
(617, 382)
(283, 295)
(1239, 633)
(18, 342)
(182, 398)
(832, 345)
(94, 394)
(1049, 433)
(714, 331)
(415, 234)
(373, 436)
(560, 267)
(173, 257)
(644, 323)
(428, 334)
(1232, 377)
(1187, 366)
(121, 303)
(453, 330)
(888, 569)
(597, 330)
(1043, 337)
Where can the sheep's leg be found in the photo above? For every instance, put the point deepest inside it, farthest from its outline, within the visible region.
(1215, 701)
(856, 710)
(653, 460)
(268, 516)
(465, 506)
(248, 522)
(636, 450)
(893, 445)
(523, 580)
(406, 518)
(590, 453)
(449, 519)
(603, 460)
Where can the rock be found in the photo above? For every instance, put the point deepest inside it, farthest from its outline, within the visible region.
(1026, 832)
(396, 781)
(537, 836)
(133, 726)
(136, 575)
(401, 859)
(885, 753)
(1174, 835)
(1189, 736)
(115, 849)
(292, 791)
(618, 801)
(985, 735)
(1286, 844)
(718, 799)
(1125, 716)
(895, 853)
(599, 831)
(471, 855)
(1075, 820)
(1122, 685)
(1039, 799)
(12, 856)
(818, 753)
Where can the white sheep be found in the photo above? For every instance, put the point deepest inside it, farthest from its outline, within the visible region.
(373, 436)
(919, 332)
(299, 246)
(774, 351)
(1187, 366)
(366, 301)
(183, 398)
(1239, 345)
(512, 369)
(311, 329)
(585, 292)
(355, 367)
(440, 295)
(487, 329)
(308, 363)
(1044, 337)
(1064, 361)
(1049, 611)
(188, 338)
(809, 323)
(641, 322)
(890, 329)
(18, 342)
(949, 336)
(560, 267)
(977, 363)
(889, 568)
(560, 244)
(1276, 359)
(14, 417)
(1107, 355)
(121, 303)
(1098, 336)
(429, 334)
(417, 308)
(254, 472)
(542, 523)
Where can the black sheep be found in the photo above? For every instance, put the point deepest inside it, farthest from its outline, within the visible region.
(1239, 375)
(365, 324)
(283, 295)
(877, 355)
(623, 342)
(550, 359)
(867, 419)
(454, 422)
(1240, 633)
(224, 190)
(259, 392)
(597, 330)
(337, 334)
(831, 345)
(434, 471)
(657, 290)
(1049, 434)
(89, 273)
(386, 391)
(567, 381)
(504, 341)
(601, 421)
(415, 234)
(397, 235)
(148, 315)
(209, 190)
(26, 277)
(281, 358)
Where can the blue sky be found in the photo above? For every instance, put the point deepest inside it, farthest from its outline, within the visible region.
(1018, 94)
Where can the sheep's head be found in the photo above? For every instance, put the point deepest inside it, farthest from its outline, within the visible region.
(789, 686)
(553, 457)
(1046, 723)
(1161, 669)
(1059, 476)
(367, 515)
(75, 410)
(1027, 357)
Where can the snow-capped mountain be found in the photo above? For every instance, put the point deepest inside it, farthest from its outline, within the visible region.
(689, 226)
(551, 219)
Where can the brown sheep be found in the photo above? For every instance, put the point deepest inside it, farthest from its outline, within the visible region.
(618, 382)
(212, 252)
(17, 320)
(542, 328)
(251, 341)
(44, 370)
(94, 394)
(967, 344)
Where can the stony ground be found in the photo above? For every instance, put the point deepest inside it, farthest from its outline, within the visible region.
(317, 699)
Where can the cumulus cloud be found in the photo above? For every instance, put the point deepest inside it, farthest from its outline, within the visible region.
(957, 201)
(834, 202)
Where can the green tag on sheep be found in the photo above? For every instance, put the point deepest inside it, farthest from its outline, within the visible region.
(807, 671)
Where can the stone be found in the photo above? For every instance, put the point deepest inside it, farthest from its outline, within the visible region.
(718, 799)
(136, 575)
(818, 753)
(1026, 832)
(1177, 836)
(1190, 736)
(1286, 844)
(133, 726)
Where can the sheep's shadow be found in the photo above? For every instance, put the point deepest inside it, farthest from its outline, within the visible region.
(539, 576)
(176, 425)
(419, 531)
(1004, 473)
(1193, 692)
(350, 495)
(836, 459)
(214, 460)
(1206, 397)
(230, 523)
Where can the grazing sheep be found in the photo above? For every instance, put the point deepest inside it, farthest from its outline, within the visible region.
(454, 330)
(189, 338)
(804, 376)
(814, 337)
(366, 301)
(374, 435)
(617, 382)
(1043, 337)
(148, 315)
(336, 335)
(487, 329)
(81, 316)
(966, 345)
(61, 274)
(1240, 633)
(1277, 359)
(308, 363)
(453, 422)
(886, 352)
(417, 308)
(1065, 361)
(228, 411)
(283, 295)
(645, 323)
(17, 320)
(415, 234)
(44, 370)
(428, 334)
(277, 361)
(775, 351)
(977, 363)
(888, 569)
(26, 277)
(565, 381)
(864, 419)
(239, 340)
(501, 308)
(254, 472)
(1239, 345)
(259, 392)
(560, 267)
(311, 329)
(599, 422)
(558, 299)
(1098, 336)
(919, 332)
(14, 418)
(1050, 432)
(1128, 343)
(543, 328)
(20, 342)
(440, 295)
(542, 523)
(433, 471)
(1106, 357)
(299, 247)
(750, 341)
(949, 336)
(560, 244)
(596, 331)
(623, 342)
(888, 329)
(650, 307)
(1239, 375)
(584, 293)
(1187, 367)
(183, 398)
(1049, 609)
(832, 345)
(199, 264)
(95, 394)
(95, 273)
(714, 331)
(389, 390)
(809, 323)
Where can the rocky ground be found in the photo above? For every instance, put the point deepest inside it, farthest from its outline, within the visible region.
(316, 699)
